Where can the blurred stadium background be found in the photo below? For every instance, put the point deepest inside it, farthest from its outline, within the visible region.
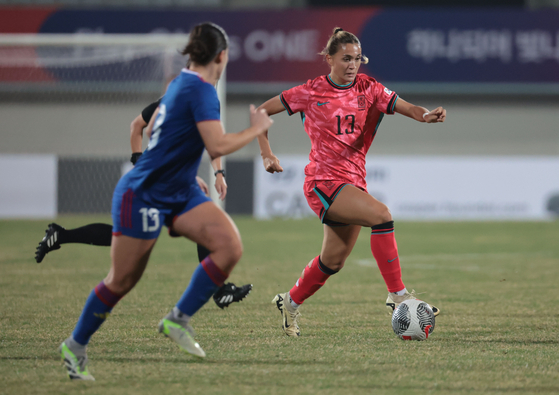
(494, 65)
(65, 112)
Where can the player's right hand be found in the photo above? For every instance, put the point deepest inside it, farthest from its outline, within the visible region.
(260, 119)
(272, 164)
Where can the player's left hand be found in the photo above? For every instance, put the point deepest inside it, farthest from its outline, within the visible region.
(436, 115)
(203, 186)
(221, 186)
(272, 164)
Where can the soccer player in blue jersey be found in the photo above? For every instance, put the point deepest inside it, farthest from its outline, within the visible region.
(100, 234)
(162, 190)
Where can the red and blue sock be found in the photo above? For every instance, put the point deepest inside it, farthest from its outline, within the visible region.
(385, 251)
(97, 308)
(205, 281)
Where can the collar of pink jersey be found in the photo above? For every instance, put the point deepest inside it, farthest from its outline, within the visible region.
(342, 87)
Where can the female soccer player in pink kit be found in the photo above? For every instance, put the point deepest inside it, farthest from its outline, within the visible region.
(341, 113)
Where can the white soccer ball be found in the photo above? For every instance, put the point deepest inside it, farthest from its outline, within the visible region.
(413, 319)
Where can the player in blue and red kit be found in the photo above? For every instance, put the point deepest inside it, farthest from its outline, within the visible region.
(341, 114)
(100, 234)
(162, 190)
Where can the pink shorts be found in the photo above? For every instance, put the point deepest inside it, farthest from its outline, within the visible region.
(320, 196)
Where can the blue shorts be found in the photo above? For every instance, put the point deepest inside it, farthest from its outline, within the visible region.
(134, 217)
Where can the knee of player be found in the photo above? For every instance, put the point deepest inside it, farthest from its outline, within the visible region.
(382, 215)
(121, 285)
(232, 244)
(335, 263)
(386, 215)
(236, 251)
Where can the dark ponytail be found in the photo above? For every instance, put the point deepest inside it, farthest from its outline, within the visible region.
(206, 41)
(339, 37)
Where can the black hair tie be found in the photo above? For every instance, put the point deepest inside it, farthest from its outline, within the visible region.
(338, 30)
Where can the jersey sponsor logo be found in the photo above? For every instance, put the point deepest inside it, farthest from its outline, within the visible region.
(387, 91)
(361, 101)
(321, 104)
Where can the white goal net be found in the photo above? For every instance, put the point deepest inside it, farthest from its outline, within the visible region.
(103, 78)
(96, 66)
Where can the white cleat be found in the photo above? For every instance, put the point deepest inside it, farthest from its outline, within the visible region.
(289, 315)
(182, 335)
(394, 300)
(76, 366)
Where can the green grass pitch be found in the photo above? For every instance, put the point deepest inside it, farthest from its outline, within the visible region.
(495, 282)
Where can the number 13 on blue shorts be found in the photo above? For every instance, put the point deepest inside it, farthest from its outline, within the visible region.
(135, 218)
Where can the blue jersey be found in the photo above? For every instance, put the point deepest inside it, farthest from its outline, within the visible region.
(168, 167)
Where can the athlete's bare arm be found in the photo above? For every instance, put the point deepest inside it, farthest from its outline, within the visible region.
(137, 133)
(271, 162)
(220, 184)
(418, 112)
(218, 143)
(273, 106)
(151, 122)
(203, 186)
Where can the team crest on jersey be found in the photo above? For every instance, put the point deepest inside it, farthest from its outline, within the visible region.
(387, 91)
(361, 101)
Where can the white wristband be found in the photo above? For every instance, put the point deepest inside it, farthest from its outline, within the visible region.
(424, 115)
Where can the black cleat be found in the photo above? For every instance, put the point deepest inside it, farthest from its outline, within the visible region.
(49, 242)
(229, 293)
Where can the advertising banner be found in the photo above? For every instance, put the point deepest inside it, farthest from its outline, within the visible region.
(430, 188)
(281, 194)
(434, 46)
(265, 46)
(497, 46)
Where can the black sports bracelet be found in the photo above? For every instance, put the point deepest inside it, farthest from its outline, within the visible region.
(220, 171)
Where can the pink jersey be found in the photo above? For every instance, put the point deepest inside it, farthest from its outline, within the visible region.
(341, 122)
